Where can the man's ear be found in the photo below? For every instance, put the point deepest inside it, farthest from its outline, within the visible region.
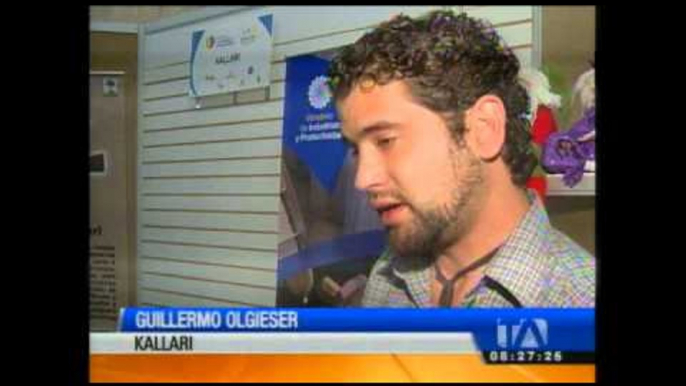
(485, 123)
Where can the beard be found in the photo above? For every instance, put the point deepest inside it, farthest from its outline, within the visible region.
(433, 229)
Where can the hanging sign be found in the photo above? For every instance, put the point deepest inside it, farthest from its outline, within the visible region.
(233, 58)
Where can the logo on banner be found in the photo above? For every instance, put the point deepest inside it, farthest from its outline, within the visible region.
(311, 126)
(522, 333)
(319, 93)
(210, 43)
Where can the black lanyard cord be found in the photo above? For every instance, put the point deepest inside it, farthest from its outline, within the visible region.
(502, 291)
(446, 297)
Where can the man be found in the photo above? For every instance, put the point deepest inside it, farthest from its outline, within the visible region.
(437, 121)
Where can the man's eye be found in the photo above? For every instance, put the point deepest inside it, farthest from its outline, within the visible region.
(384, 142)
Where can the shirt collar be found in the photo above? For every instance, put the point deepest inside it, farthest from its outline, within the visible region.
(417, 277)
(519, 265)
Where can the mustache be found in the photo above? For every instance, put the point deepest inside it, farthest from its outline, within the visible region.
(396, 196)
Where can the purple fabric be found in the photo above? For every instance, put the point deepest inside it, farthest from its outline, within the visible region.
(564, 153)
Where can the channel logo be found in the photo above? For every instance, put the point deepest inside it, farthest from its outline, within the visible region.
(522, 333)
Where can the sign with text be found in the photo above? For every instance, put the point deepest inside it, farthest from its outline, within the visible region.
(109, 265)
(234, 58)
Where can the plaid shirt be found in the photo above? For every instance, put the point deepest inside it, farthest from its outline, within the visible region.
(537, 264)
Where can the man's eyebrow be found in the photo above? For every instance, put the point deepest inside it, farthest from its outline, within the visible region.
(376, 127)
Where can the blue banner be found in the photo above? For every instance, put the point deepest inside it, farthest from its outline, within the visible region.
(346, 247)
(493, 329)
(311, 126)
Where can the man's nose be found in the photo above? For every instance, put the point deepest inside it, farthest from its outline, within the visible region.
(370, 173)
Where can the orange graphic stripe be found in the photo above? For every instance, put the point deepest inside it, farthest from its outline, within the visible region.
(324, 368)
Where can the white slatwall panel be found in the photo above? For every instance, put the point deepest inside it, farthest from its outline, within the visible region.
(309, 24)
(516, 35)
(525, 56)
(258, 95)
(257, 241)
(216, 273)
(290, 24)
(212, 168)
(184, 103)
(215, 133)
(257, 147)
(258, 204)
(155, 298)
(501, 14)
(166, 73)
(181, 102)
(219, 185)
(209, 168)
(209, 255)
(229, 292)
(167, 89)
(278, 71)
(227, 221)
(277, 90)
(215, 116)
(170, 87)
(321, 43)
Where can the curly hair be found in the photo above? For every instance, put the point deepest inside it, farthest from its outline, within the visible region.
(448, 61)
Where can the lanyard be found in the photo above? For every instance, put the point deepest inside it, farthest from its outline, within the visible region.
(502, 291)
(446, 297)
